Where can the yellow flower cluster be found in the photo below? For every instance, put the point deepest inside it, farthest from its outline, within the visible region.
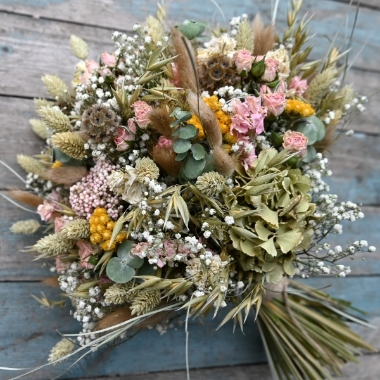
(101, 227)
(57, 164)
(297, 108)
(224, 120)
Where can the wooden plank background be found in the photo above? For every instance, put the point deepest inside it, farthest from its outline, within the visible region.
(34, 38)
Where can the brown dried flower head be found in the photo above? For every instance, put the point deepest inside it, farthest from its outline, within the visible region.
(100, 123)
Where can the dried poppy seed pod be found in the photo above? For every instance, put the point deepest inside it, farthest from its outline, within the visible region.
(100, 123)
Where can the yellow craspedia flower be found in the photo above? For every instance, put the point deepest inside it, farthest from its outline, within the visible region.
(230, 138)
(57, 164)
(101, 228)
(224, 121)
(197, 124)
(298, 108)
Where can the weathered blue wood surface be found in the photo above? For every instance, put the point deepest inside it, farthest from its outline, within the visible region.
(34, 41)
(148, 351)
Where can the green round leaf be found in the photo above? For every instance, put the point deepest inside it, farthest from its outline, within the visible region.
(312, 127)
(310, 155)
(192, 168)
(124, 249)
(187, 132)
(118, 271)
(181, 145)
(198, 151)
(191, 29)
(181, 156)
(128, 258)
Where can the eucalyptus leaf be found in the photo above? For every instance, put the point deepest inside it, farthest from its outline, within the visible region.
(191, 167)
(181, 156)
(312, 127)
(310, 154)
(118, 271)
(187, 132)
(181, 145)
(191, 29)
(124, 253)
(198, 151)
(64, 158)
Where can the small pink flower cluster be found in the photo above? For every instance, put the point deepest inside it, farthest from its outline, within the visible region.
(249, 116)
(298, 85)
(164, 255)
(92, 191)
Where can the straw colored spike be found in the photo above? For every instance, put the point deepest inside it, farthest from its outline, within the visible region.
(186, 73)
(66, 175)
(264, 36)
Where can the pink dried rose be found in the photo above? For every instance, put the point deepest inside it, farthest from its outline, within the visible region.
(274, 101)
(295, 142)
(108, 59)
(59, 223)
(298, 85)
(46, 211)
(91, 66)
(132, 125)
(163, 142)
(243, 60)
(85, 252)
(142, 110)
(271, 66)
(60, 265)
(121, 139)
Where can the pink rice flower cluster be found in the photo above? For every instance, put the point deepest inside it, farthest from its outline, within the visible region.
(249, 116)
(92, 192)
(296, 142)
(164, 254)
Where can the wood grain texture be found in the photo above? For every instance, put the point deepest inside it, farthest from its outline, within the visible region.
(367, 369)
(45, 43)
(206, 346)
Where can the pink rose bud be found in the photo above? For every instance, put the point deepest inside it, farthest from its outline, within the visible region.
(275, 102)
(108, 59)
(243, 60)
(142, 110)
(163, 142)
(295, 142)
(91, 66)
(271, 66)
